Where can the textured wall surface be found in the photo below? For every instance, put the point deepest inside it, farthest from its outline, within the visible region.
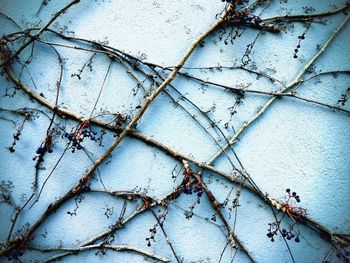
(294, 144)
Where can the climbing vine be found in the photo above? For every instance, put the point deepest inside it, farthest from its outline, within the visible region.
(87, 139)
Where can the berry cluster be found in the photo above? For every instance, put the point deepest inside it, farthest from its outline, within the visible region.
(18, 251)
(18, 132)
(153, 234)
(192, 184)
(301, 38)
(190, 187)
(232, 1)
(293, 195)
(46, 146)
(272, 231)
(197, 189)
(246, 19)
(15, 255)
(77, 136)
(296, 214)
(160, 222)
(289, 235)
(344, 97)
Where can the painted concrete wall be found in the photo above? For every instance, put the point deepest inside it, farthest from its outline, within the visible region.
(294, 144)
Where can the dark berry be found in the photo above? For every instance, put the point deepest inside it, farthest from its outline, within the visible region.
(284, 232)
(41, 150)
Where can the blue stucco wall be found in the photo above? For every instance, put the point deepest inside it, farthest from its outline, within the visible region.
(294, 144)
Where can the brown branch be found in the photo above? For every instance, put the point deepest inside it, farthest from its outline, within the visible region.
(160, 88)
(78, 188)
(270, 93)
(127, 195)
(294, 82)
(207, 82)
(42, 29)
(75, 250)
(165, 235)
(232, 237)
(306, 17)
(150, 141)
(66, 114)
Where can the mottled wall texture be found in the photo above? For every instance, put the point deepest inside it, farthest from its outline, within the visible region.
(175, 131)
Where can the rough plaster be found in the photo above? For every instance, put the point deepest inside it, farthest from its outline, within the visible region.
(295, 144)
